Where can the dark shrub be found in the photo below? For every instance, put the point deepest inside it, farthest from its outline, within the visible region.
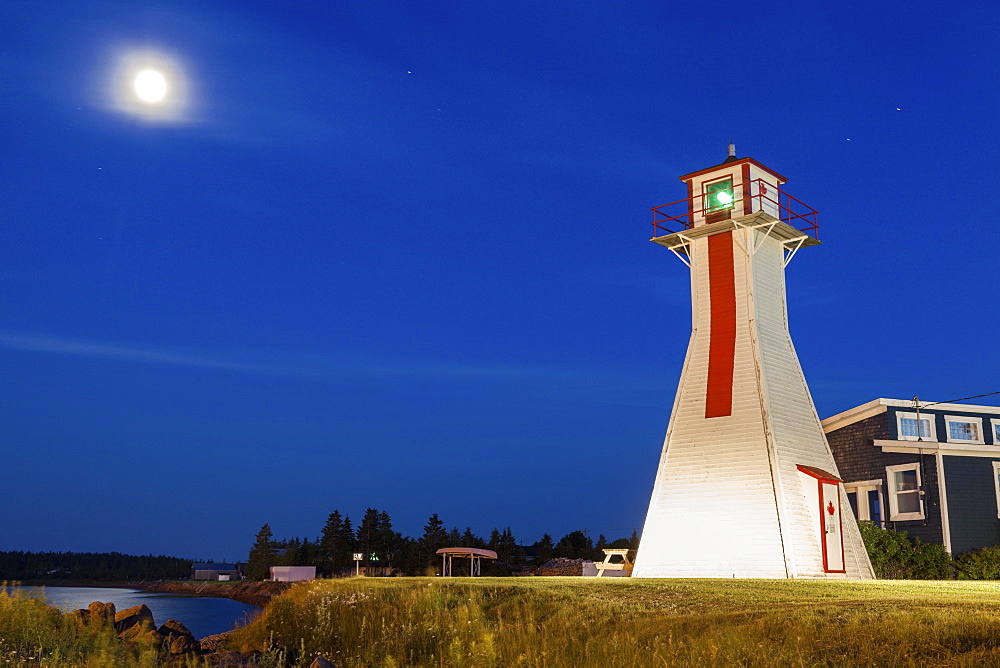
(895, 556)
(981, 564)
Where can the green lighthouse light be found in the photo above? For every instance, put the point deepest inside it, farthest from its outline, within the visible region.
(719, 196)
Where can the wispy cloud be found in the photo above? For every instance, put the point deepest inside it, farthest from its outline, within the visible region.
(48, 344)
(401, 375)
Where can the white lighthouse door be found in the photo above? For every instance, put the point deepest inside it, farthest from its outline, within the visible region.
(833, 536)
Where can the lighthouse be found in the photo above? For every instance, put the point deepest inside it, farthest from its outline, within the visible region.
(746, 486)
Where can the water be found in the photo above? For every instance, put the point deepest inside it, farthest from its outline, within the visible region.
(201, 615)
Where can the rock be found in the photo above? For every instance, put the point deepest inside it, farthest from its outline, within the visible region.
(174, 628)
(126, 619)
(142, 634)
(228, 660)
(320, 662)
(184, 645)
(102, 613)
(216, 643)
(81, 616)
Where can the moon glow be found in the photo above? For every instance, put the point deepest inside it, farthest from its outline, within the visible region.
(150, 86)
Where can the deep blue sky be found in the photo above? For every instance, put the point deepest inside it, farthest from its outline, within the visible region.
(396, 254)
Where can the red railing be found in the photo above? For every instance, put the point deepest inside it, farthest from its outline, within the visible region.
(784, 207)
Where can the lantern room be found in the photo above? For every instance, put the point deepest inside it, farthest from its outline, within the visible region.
(741, 191)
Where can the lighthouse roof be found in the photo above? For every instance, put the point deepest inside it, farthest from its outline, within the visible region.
(729, 162)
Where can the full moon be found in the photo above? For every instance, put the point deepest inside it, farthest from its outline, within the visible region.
(150, 86)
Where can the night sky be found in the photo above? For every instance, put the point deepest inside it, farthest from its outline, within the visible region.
(396, 255)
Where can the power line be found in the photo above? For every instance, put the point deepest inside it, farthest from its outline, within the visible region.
(951, 401)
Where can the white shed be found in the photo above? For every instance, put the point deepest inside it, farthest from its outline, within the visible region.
(292, 573)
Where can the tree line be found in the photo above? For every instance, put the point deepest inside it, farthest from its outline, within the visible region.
(101, 566)
(384, 551)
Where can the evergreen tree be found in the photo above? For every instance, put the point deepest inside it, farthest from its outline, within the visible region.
(289, 553)
(546, 548)
(470, 539)
(388, 543)
(598, 554)
(328, 541)
(367, 536)
(574, 545)
(510, 557)
(434, 533)
(508, 551)
(494, 539)
(261, 556)
(435, 537)
(309, 553)
(633, 541)
(347, 546)
(336, 544)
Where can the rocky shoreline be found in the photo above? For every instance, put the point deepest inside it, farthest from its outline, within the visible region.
(251, 593)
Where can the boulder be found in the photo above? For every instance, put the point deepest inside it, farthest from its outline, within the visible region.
(81, 616)
(142, 634)
(130, 617)
(184, 645)
(174, 628)
(227, 659)
(102, 613)
(217, 643)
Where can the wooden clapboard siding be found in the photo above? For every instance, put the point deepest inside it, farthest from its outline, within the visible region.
(797, 433)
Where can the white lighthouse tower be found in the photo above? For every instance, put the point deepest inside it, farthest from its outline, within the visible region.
(747, 486)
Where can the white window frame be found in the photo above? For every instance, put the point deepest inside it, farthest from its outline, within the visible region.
(996, 483)
(963, 419)
(932, 432)
(892, 492)
(995, 427)
(861, 489)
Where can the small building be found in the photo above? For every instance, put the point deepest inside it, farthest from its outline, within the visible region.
(214, 571)
(293, 573)
(475, 556)
(928, 468)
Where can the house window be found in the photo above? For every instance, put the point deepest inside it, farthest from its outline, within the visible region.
(996, 430)
(906, 500)
(914, 427)
(996, 484)
(866, 500)
(964, 429)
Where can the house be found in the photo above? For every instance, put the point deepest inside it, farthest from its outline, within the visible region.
(213, 571)
(930, 469)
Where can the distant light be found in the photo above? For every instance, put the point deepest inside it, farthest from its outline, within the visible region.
(724, 197)
(150, 86)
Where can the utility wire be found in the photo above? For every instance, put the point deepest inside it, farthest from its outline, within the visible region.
(951, 401)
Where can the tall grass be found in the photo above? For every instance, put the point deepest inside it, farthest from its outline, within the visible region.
(34, 633)
(623, 622)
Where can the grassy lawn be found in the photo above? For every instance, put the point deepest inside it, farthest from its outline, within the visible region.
(626, 622)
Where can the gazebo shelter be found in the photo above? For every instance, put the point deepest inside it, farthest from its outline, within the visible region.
(474, 554)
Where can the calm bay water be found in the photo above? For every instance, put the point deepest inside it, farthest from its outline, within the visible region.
(202, 616)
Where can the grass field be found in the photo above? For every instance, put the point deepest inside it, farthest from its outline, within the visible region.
(625, 622)
(573, 622)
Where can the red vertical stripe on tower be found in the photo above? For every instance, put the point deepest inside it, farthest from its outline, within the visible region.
(722, 336)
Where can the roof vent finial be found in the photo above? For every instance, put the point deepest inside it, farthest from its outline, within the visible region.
(732, 149)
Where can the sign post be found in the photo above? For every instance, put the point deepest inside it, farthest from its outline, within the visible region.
(357, 563)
